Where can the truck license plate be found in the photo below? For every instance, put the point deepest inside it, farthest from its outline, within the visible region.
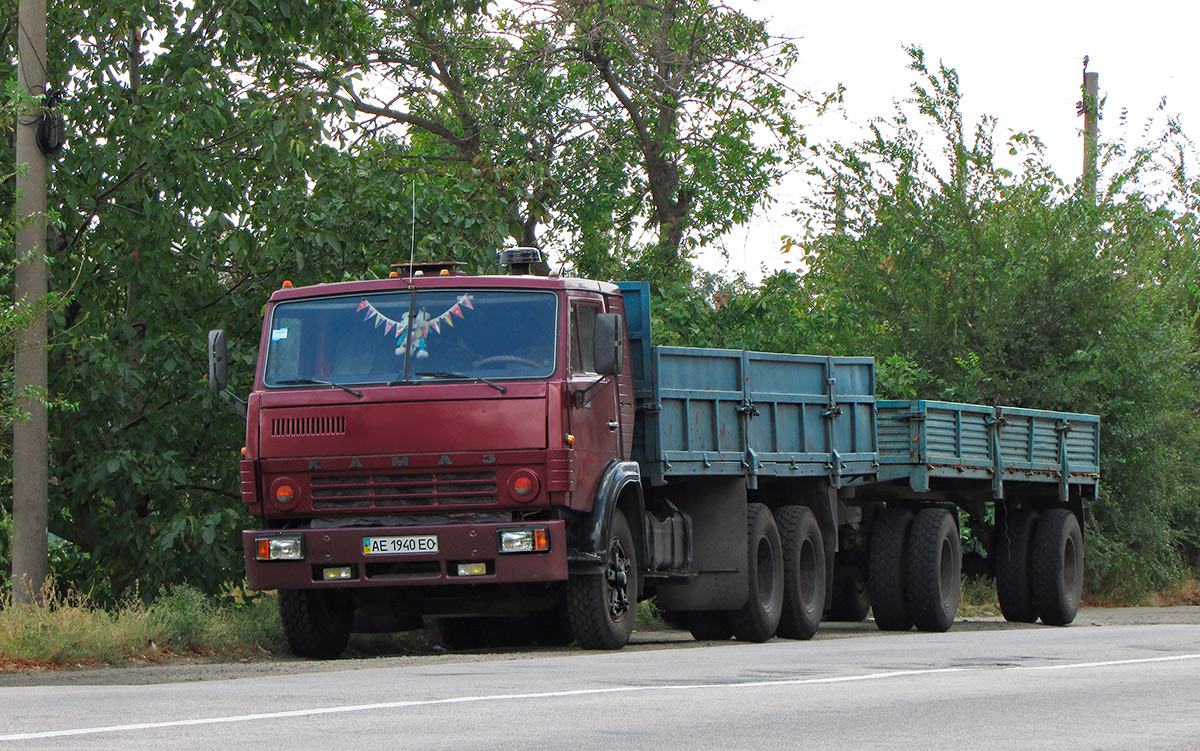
(393, 545)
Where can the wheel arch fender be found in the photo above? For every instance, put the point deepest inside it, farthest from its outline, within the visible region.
(620, 487)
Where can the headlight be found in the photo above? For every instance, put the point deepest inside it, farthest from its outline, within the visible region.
(531, 540)
(287, 548)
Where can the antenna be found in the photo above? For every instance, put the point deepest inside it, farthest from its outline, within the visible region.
(412, 248)
(412, 291)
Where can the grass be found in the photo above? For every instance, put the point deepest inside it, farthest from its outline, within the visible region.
(69, 630)
(978, 598)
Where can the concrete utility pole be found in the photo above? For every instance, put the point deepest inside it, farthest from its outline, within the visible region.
(1090, 109)
(30, 445)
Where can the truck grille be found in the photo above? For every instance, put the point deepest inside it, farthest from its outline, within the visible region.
(404, 491)
(306, 426)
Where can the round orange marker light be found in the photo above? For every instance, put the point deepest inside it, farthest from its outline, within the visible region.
(284, 491)
(570, 439)
(287, 283)
(394, 275)
(523, 485)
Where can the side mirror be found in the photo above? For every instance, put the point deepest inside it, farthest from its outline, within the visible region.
(218, 361)
(609, 343)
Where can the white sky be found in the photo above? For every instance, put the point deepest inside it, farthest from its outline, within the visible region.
(1020, 61)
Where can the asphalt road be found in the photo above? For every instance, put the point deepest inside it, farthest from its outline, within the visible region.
(1117, 687)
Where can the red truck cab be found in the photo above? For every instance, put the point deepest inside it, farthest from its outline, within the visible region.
(420, 446)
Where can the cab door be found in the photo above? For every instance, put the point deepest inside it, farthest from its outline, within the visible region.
(592, 408)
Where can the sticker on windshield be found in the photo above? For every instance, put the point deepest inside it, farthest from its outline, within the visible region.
(278, 334)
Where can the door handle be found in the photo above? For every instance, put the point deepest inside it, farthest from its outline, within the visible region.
(614, 425)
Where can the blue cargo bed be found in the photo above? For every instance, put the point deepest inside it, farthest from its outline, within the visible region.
(923, 440)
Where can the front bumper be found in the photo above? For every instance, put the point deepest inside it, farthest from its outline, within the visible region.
(457, 543)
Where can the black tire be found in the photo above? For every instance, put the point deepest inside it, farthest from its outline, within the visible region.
(601, 606)
(887, 567)
(934, 576)
(1057, 567)
(1014, 566)
(757, 620)
(709, 625)
(851, 600)
(316, 622)
(803, 572)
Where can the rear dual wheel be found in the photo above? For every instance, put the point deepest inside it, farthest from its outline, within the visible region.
(1057, 567)
(934, 575)
(1014, 565)
(803, 572)
(758, 619)
(915, 569)
(1039, 566)
(885, 573)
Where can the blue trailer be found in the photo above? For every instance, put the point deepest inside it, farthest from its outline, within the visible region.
(851, 504)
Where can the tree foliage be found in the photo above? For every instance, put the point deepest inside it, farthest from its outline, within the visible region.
(218, 148)
(974, 282)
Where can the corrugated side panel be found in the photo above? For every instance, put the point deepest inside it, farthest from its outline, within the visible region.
(1083, 445)
(896, 444)
(1029, 440)
(957, 434)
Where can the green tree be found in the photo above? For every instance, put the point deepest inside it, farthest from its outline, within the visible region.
(189, 136)
(972, 282)
(683, 92)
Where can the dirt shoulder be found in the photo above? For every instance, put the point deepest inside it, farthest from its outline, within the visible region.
(215, 668)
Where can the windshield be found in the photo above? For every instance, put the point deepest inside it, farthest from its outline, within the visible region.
(456, 334)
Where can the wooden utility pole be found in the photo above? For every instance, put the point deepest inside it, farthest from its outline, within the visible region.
(30, 444)
(1091, 129)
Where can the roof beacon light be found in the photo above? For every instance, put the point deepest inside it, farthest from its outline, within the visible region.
(519, 260)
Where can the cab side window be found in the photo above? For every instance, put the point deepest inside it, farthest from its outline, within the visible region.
(583, 331)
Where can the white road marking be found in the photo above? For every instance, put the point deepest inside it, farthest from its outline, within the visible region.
(563, 694)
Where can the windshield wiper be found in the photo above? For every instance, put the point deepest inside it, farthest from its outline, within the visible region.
(464, 376)
(314, 382)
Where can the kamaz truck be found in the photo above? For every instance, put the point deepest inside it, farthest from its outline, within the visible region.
(513, 458)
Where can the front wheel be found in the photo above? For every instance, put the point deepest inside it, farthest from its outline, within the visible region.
(316, 622)
(601, 606)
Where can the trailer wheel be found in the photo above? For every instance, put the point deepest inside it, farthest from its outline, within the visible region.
(885, 572)
(803, 572)
(850, 601)
(1057, 567)
(1014, 566)
(934, 569)
(709, 625)
(316, 622)
(601, 606)
(757, 620)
